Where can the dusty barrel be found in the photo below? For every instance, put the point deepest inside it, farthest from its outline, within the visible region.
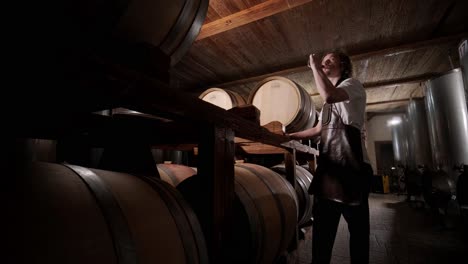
(78, 215)
(303, 181)
(264, 213)
(174, 173)
(280, 99)
(225, 99)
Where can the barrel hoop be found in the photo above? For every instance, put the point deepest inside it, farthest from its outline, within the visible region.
(300, 180)
(307, 202)
(301, 183)
(192, 32)
(305, 173)
(277, 201)
(177, 207)
(115, 219)
(169, 174)
(233, 98)
(300, 121)
(236, 97)
(177, 28)
(176, 51)
(304, 194)
(261, 219)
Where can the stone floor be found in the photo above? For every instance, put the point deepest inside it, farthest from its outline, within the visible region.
(400, 234)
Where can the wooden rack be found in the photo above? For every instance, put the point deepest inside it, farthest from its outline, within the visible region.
(195, 121)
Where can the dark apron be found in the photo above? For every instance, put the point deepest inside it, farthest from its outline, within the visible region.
(341, 174)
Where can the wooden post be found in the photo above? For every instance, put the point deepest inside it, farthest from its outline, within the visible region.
(216, 166)
(290, 167)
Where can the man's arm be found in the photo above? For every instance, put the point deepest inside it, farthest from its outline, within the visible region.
(325, 87)
(308, 133)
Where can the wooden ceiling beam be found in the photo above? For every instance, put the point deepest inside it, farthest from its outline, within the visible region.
(409, 47)
(371, 115)
(357, 56)
(393, 82)
(387, 102)
(390, 101)
(406, 80)
(249, 15)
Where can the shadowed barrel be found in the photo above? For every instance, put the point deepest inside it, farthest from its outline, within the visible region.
(264, 216)
(225, 99)
(303, 181)
(80, 215)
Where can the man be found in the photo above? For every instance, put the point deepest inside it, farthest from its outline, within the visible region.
(342, 180)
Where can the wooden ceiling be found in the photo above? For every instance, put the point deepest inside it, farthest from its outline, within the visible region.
(395, 45)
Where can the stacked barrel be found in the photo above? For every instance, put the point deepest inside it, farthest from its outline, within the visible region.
(277, 98)
(80, 215)
(267, 208)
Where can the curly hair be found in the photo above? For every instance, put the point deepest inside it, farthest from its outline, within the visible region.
(345, 61)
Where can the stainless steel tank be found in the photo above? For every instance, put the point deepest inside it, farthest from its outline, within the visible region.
(418, 135)
(448, 122)
(400, 140)
(463, 52)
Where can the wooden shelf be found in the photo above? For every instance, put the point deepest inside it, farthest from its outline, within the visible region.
(194, 123)
(255, 147)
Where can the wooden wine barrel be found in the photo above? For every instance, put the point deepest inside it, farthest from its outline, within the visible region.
(77, 215)
(171, 26)
(303, 181)
(90, 44)
(174, 173)
(280, 99)
(264, 213)
(223, 98)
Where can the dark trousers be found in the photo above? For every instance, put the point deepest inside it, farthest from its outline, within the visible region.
(327, 215)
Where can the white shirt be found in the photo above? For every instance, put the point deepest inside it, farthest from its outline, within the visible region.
(353, 110)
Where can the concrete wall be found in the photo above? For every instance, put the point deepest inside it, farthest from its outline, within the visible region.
(377, 130)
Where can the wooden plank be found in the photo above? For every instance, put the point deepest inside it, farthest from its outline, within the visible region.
(147, 95)
(247, 16)
(216, 166)
(399, 81)
(261, 149)
(175, 146)
(54, 124)
(359, 55)
(389, 101)
(371, 115)
(406, 80)
(275, 127)
(256, 147)
(186, 107)
(299, 147)
(409, 47)
(290, 168)
(249, 112)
